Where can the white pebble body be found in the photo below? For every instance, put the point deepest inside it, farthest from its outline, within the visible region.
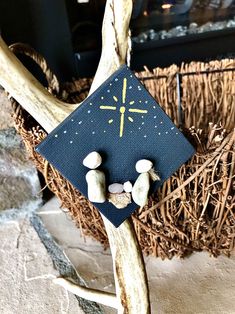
(115, 188)
(141, 189)
(96, 186)
(92, 160)
(127, 186)
(143, 165)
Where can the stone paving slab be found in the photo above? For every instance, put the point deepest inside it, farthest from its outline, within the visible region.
(26, 273)
(6, 120)
(19, 182)
(198, 284)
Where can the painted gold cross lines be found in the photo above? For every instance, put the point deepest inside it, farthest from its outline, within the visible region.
(138, 110)
(123, 109)
(108, 107)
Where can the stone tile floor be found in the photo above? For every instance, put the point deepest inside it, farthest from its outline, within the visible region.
(198, 284)
(36, 249)
(26, 273)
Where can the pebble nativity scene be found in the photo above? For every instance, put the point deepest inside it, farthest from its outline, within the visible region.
(122, 123)
(144, 161)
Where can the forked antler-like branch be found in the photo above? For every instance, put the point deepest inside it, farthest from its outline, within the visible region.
(129, 270)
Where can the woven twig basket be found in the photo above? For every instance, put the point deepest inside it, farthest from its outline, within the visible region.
(195, 209)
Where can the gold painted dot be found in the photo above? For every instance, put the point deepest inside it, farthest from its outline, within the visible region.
(122, 109)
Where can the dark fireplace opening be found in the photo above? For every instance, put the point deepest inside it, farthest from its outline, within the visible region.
(163, 32)
(68, 32)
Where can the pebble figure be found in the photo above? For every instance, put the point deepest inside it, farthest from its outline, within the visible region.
(95, 178)
(142, 184)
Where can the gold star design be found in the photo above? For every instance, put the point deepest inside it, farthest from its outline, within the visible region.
(123, 109)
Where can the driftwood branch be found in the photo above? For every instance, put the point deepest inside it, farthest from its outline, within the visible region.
(93, 295)
(24, 88)
(129, 270)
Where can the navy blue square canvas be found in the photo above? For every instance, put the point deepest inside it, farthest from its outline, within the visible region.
(122, 122)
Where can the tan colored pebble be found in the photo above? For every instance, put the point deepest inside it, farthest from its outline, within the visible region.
(143, 165)
(92, 160)
(120, 200)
